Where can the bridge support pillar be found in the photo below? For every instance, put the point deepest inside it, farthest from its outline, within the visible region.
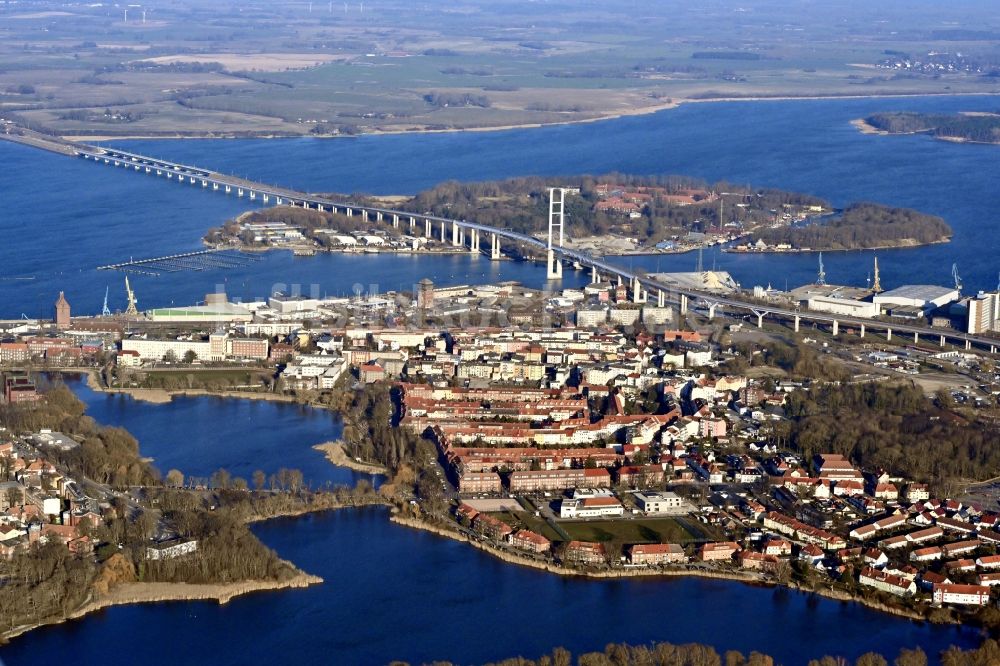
(797, 318)
(204, 183)
(494, 246)
(594, 277)
(443, 231)
(836, 327)
(888, 335)
(942, 341)
(229, 189)
(378, 216)
(279, 200)
(239, 191)
(862, 333)
(215, 186)
(473, 241)
(427, 228)
(711, 310)
(395, 221)
(684, 304)
(349, 212)
(760, 317)
(636, 290)
(265, 197)
(661, 299)
(993, 349)
(554, 266)
(454, 234)
(916, 338)
(253, 195)
(968, 345)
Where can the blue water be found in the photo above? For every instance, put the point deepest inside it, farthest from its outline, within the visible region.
(198, 435)
(391, 592)
(63, 217)
(394, 593)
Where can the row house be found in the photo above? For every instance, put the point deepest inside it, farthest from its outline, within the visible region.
(559, 479)
(887, 582)
(655, 554)
(491, 527)
(530, 541)
(585, 552)
(960, 547)
(803, 532)
(928, 554)
(961, 595)
(715, 552)
(960, 566)
(758, 561)
(988, 562)
(479, 482)
(640, 475)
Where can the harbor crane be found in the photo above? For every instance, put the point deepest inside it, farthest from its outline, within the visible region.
(955, 276)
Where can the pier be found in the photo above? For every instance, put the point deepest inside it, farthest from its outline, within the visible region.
(187, 261)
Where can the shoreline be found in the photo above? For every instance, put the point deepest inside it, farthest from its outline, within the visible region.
(337, 455)
(735, 576)
(142, 593)
(164, 396)
(909, 246)
(613, 115)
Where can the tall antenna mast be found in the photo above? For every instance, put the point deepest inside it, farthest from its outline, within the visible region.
(821, 277)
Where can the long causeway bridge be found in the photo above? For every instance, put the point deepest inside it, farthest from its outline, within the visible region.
(463, 233)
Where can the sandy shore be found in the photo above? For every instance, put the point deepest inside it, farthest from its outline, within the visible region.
(336, 454)
(865, 128)
(749, 578)
(611, 115)
(140, 593)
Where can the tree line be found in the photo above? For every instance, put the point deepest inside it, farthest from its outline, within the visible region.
(862, 225)
(892, 426)
(694, 654)
(979, 128)
(522, 204)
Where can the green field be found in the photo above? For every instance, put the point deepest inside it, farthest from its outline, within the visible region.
(263, 68)
(651, 530)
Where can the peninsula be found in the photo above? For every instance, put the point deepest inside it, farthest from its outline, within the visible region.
(863, 226)
(957, 127)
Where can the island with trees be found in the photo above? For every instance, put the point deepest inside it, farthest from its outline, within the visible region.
(862, 226)
(614, 214)
(959, 127)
